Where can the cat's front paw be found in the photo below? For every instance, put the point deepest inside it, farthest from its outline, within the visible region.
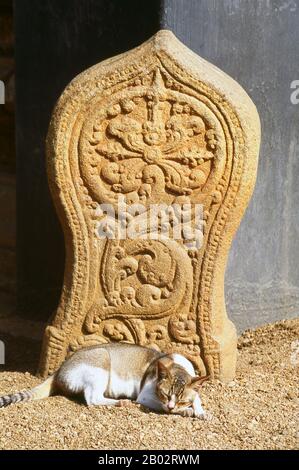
(205, 416)
(125, 403)
(188, 412)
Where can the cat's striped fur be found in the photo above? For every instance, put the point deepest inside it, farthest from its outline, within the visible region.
(41, 391)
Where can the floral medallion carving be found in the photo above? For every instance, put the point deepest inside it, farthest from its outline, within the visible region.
(152, 143)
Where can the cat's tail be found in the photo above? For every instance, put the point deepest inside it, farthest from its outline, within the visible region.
(43, 390)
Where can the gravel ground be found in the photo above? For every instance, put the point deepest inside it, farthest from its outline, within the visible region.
(259, 410)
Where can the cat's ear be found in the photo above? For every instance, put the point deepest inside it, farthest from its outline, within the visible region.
(196, 382)
(163, 371)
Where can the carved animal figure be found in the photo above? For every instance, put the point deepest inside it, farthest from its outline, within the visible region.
(113, 374)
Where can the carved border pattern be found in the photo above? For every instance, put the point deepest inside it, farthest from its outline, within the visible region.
(73, 325)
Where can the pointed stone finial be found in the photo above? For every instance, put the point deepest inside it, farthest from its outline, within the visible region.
(156, 125)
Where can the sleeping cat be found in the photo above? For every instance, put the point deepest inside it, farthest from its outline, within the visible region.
(108, 373)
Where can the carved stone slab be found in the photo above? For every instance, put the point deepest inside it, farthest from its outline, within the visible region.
(155, 125)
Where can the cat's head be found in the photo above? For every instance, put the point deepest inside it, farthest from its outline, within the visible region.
(176, 389)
